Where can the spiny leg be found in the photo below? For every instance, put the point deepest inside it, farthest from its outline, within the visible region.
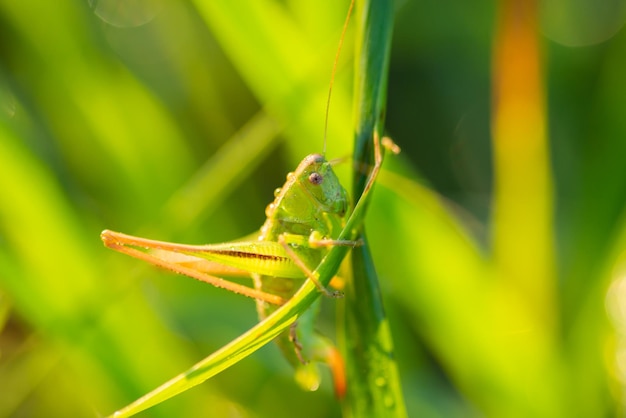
(378, 160)
(123, 244)
(317, 240)
(293, 337)
(388, 144)
(307, 271)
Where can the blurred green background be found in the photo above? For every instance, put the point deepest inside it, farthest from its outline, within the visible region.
(177, 120)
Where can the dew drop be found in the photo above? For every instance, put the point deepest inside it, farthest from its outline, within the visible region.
(276, 192)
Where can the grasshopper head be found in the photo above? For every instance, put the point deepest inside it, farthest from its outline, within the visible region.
(316, 175)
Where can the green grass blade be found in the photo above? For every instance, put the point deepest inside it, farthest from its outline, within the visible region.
(373, 382)
(375, 23)
(227, 356)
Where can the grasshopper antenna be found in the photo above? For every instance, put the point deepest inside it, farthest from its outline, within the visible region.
(332, 77)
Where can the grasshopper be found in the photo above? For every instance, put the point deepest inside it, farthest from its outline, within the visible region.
(303, 222)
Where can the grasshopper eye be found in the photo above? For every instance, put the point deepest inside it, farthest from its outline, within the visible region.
(316, 178)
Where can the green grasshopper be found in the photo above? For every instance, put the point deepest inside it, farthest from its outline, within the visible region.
(303, 222)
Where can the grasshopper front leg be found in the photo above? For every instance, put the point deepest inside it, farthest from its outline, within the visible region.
(315, 240)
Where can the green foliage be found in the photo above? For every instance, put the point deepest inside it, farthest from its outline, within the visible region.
(176, 121)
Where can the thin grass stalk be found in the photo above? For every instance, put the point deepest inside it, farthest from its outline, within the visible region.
(373, 382)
